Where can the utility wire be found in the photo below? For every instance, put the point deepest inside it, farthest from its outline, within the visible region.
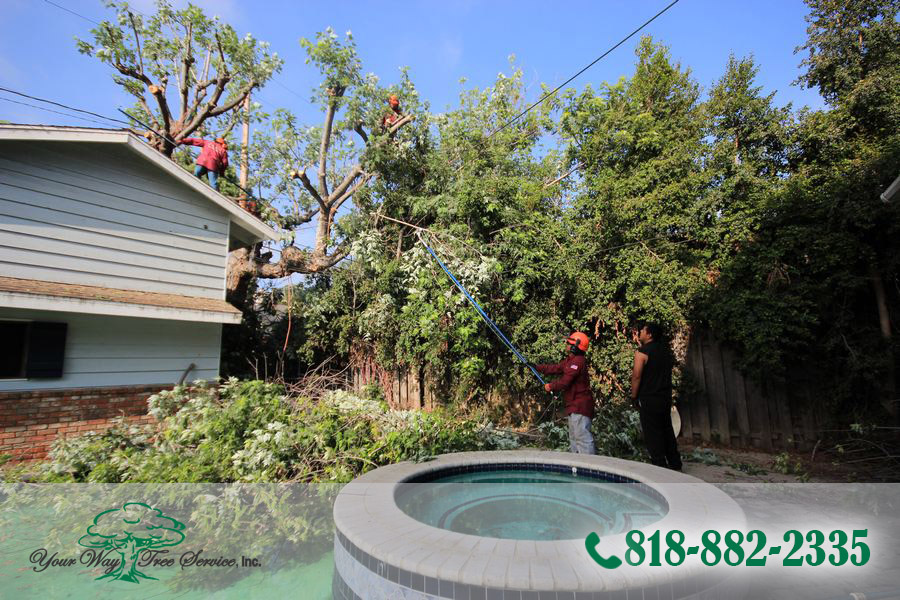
(569, 80)
(87, 112)
(71, 12)
(58, 112)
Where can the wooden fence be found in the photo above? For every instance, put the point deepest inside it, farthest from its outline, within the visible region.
(725, 407)
(733, 410)
(404, 389)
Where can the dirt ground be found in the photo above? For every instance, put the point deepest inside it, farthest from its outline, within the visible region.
(733, 465)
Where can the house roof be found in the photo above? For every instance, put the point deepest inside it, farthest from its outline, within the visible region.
(253, 229)
(67, 297)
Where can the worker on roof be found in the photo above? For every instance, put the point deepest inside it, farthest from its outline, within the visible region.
(576, 388)
(213, 159)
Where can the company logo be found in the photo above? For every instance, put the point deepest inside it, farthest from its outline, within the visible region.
(130, 531)
(123, 542)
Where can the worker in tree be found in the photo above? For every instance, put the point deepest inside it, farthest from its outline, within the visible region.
(395, 114)
(213, 159)
(577, 394)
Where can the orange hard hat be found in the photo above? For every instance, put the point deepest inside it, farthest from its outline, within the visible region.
(222, 141)
(393, 100)
(579, 340)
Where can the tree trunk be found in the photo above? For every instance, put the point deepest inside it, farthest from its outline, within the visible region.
(239, 278)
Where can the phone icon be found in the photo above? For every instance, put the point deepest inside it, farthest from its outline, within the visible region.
(590, 543)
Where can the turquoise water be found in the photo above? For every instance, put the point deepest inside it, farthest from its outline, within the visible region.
(529, 505)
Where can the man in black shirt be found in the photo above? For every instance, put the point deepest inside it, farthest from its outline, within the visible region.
(651, 391)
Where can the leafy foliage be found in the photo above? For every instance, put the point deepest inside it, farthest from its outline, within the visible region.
(252, 432)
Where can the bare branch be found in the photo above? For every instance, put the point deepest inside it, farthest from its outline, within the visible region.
(147, 110)
(237, 100)
(396, 126)
(157, 91)
(323, 148)
(561, 177)
(301, 175)
(353, 190)
(355, 172)
(186, 70)
(137, 41)
(295, 260)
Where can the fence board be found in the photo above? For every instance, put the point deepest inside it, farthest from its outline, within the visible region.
(699, 411)
(736, 396)
(758, 415)
(715, 390)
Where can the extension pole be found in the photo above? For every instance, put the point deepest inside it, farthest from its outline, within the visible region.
(493, 326)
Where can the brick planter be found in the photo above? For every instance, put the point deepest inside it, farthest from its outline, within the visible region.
(31, 420)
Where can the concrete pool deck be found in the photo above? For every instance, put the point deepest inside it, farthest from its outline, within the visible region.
(375, 539)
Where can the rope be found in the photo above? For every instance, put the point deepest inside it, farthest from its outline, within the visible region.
(493, 326)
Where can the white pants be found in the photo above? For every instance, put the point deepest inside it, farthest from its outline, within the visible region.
(580, 439)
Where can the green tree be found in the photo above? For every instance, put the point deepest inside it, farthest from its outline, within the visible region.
(853, 51)
(129, 531)
(479, 201)
(183, 68)
(638, 219)
(351, 148)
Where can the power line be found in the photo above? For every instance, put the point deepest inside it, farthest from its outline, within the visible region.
(67, 107)
(569, 80)
(59, 112)
(71, 11)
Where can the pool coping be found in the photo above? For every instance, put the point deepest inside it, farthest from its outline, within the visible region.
(367, 515)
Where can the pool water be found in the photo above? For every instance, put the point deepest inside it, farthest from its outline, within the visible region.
(530, 505)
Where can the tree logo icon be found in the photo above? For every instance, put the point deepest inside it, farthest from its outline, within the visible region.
(129, 531)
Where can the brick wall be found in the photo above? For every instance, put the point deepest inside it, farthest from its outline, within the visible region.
(31, 420)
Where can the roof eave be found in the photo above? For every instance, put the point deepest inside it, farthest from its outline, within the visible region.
(28, 301)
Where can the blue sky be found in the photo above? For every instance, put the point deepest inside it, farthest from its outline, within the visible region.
(441, 41)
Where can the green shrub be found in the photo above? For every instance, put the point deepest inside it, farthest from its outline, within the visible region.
(252, 431)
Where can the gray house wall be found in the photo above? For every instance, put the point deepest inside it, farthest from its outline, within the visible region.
(118, 351)
(99, 214)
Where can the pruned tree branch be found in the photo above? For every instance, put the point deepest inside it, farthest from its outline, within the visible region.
(187, 59)
(323, 148)
(353, 190)
(304, 179)
(355, 172)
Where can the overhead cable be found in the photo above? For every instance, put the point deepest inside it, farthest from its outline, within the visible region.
(67, 107)
(570, 79)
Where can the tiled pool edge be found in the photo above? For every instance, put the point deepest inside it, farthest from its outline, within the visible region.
(369, 524)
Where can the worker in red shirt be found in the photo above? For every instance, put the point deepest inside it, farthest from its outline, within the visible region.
(213, 159)
(394, 116)
(576, 388)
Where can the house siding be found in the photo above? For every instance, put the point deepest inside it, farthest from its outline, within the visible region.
(98, 214)
(117, 351)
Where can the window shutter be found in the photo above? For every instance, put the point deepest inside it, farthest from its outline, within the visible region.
(46, 349)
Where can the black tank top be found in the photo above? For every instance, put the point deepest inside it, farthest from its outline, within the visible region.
(656, 377)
